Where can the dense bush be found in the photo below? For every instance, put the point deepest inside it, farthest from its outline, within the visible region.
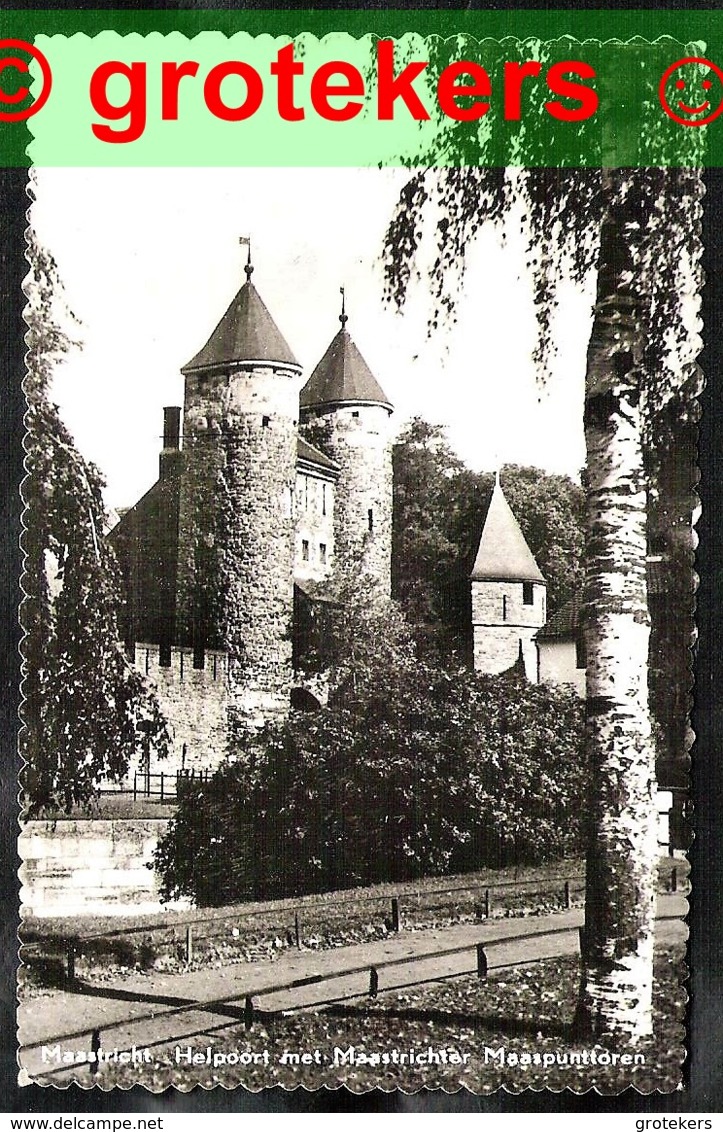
(439, 511)
(409, 775)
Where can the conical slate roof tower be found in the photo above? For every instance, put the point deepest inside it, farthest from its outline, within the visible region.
(508, 594)
(503, 552)
(345, 412)
(246, 333)
(342, 377)
(236, 540)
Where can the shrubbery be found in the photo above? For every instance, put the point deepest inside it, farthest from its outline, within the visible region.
(410, 771)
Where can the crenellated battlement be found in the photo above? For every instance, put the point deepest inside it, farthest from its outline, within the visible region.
(193, 700)
(178, 664)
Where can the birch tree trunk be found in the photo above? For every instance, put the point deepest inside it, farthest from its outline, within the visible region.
(617, 982)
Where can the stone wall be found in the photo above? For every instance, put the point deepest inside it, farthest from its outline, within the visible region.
(75, 868)
(497, 649)
(236, 534)
(357, 438)
(501, 620)
(314, 521)
(194, 701)
(258, 539)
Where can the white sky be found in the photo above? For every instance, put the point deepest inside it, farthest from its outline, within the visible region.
(150, 260)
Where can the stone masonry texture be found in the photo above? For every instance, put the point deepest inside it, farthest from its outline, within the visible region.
(80, 867)
(500, 621)
(199, 511)
(314, 503)
(357, 438)
(195, 703)
(260, 430)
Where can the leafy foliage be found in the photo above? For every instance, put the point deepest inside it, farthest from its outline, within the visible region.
(640, 228)
(87, 711)
(411, 770)
(439, 511)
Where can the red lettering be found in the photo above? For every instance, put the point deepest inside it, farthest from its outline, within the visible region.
(587, 97)
(171, 75)
(287, 68)
(515, 74)
(389, 88)
(134, 106)
(212, 91)
(449, 90)
(322, 90)
(22, 91)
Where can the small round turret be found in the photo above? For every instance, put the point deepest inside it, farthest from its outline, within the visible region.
(508, 594)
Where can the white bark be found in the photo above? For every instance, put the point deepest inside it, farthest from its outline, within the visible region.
(617, 992)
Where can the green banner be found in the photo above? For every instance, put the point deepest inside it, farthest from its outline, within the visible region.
(357, 88)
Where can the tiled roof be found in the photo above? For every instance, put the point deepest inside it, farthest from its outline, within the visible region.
(503, 553)
(312, 455)
(246, 333)
(565, 623)
(342, 377)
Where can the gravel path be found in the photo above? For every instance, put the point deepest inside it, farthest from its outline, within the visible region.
(157, 1010)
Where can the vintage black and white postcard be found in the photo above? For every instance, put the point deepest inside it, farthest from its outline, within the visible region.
(358, 534)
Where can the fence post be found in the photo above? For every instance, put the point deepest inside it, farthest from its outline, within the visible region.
(395, 913)
(161, 785)
(135, 785)
(189, 943)
(297, 930)
(71, 961)
(487, 903)
(94, 1066)
(567, 894)
(373, 982)
(674, 880)
(481, 962)
(248, 1011)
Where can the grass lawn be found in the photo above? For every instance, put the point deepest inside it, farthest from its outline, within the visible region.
(512, 1031)
(256, 931)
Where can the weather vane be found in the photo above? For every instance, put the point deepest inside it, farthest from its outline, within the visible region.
(245, 242)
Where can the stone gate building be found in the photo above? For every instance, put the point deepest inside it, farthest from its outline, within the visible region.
(229, 559)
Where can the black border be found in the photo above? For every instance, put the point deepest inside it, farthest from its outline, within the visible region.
(704, 1072)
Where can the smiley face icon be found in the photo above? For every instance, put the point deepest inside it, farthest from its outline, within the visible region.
(691, 91)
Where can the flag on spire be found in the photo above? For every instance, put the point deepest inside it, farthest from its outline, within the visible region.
(245, 242)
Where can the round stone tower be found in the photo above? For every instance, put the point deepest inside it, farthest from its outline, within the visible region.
(345, 413)
(508, 595)
(236, 537)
